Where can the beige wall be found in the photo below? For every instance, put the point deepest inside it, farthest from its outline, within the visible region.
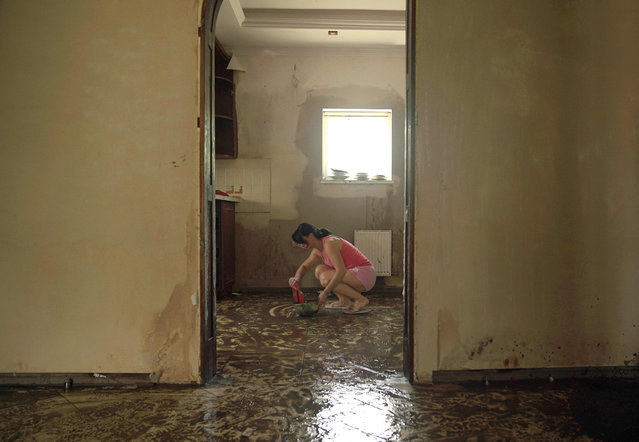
(527, 245)
(99, 187)
(527, 181)
(279, 106)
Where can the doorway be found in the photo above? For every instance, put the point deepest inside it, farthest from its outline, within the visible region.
(208, 306)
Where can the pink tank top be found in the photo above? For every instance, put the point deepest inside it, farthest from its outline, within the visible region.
(350, 254)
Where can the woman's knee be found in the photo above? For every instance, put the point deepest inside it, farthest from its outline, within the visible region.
(323, 273)
(325, 278)
(321, 269)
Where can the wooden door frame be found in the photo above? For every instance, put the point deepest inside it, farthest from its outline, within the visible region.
(409, 198)
(210, 9)
(206, 31)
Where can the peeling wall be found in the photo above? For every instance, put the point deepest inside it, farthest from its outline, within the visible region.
(99, 187)
(279, 103)
(527, 184)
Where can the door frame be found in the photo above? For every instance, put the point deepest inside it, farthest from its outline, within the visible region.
(208, 349)
(210, 9)
(409, 198)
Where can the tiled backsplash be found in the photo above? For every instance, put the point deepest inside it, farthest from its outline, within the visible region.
(248, 179)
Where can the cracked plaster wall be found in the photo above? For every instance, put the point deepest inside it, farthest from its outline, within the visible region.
(99, 187)
(527, 184)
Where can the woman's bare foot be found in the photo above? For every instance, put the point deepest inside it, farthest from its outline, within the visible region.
(342, 302)
(337, 305)
(359, 304)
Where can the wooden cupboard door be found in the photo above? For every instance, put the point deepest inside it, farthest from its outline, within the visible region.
(227, 218)
(225, 214)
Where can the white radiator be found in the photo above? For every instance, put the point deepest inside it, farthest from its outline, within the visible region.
(376, 245)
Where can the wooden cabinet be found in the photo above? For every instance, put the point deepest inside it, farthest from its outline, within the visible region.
(225, 247)
(225, 115)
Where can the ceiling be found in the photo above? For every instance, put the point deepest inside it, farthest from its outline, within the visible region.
(360, 24)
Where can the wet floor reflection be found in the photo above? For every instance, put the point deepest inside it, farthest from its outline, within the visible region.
(357, 413)
(331, 377)
(330, 364)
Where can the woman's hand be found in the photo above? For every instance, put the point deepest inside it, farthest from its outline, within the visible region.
(292, 281)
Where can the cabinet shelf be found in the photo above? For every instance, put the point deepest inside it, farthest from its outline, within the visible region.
(225, 114)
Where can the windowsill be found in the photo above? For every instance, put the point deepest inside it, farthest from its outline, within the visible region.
(330, 181)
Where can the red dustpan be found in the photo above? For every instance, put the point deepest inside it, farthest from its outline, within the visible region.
(298, 296)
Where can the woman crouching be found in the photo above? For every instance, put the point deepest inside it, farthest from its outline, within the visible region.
(342, 269)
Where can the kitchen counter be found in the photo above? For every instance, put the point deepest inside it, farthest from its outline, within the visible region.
(233, 199)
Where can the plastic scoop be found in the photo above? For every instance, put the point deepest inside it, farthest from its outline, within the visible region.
(298, 296)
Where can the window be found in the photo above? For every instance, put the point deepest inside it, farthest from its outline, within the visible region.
(356, 145)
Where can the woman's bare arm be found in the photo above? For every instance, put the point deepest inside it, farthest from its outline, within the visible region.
(332, 249)
(308, 263)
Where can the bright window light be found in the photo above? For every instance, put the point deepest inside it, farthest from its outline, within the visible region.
(357, 144)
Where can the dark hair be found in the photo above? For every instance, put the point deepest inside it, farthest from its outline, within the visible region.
(305, 229)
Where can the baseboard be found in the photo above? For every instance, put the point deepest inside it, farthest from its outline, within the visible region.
(74, 379)
(535, 374)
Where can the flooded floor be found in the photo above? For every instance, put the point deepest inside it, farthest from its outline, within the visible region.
(328, 377)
